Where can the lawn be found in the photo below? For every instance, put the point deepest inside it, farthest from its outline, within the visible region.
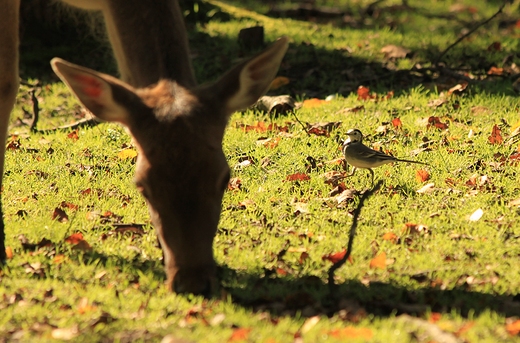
(436, 256)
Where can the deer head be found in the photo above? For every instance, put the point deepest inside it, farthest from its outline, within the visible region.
(181, 169)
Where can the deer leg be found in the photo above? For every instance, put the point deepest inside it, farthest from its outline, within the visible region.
(8, 85)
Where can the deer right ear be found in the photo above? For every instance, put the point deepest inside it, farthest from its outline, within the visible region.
(94, 90)
(244, 84)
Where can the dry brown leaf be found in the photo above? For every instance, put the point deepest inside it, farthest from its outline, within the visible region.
(394, 51)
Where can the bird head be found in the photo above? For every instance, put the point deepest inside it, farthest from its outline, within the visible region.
(354, 135)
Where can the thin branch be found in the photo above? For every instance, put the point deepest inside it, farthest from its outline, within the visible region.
(461, 38)
(303, 126)
(352, 234)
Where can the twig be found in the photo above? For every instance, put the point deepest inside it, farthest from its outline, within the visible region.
(303, 126)
(352, 234)
(36, 111)
(469, 33)
(36, 116)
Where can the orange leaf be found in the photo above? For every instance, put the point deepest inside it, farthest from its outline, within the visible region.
(496, 135)
(379, 261)
(234, 184)
(435, 317)
(84, 306)
(422, 175)
(396, 122)
(239, 334)
(73, 135)
(278, 82)
(364, 93)
(75, 238)
(298, 177)
(352, 332)
(60, 258)
(390, 236)
(9, 252)
(314, 102)
(513, 328)
(495, 71)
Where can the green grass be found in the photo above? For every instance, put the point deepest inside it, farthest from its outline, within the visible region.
(463, 275)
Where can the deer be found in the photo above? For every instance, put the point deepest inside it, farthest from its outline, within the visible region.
(176, 125)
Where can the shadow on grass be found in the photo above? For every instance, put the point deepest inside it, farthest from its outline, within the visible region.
(309, 296)
(313, 71)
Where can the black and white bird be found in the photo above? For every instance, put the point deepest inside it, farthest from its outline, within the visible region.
(359, 155)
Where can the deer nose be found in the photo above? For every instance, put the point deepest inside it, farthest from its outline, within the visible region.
(194, 284)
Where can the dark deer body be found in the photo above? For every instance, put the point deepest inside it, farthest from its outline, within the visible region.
(176, 125)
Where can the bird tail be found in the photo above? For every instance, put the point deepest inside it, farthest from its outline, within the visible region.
(410, 161)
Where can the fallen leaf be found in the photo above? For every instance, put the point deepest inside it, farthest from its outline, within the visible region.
(350, 332)
(390, 236)
(436, 122)
(435, 317)
(394, 51)
(496, 135)
(379, 261)
(336, 257)
(475, 216)
(127, 154)
(458, 89)
(73, 135)
(84, 306)
(513, 328)
(60, 215)
(9, 252)
(278, 82)
(239, 334)
(515, 202)
(426, 189)
(495, 71)
(353, 109)
(312, 103)
(422, 175)
(495, 46)
(234, 184)
(298, 177)
(364, 93)
(396, 122)
(309, 324)
(65, 334)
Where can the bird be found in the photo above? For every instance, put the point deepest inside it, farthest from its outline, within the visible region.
(359, 155)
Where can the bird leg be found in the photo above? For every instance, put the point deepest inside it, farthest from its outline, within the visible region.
(372, 174)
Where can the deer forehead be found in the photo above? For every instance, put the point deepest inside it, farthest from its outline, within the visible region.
(169, 98)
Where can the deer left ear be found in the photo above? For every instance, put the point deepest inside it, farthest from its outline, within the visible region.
(241, 87)
(96, 90)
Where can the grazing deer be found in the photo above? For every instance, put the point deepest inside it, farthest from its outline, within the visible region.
(176, 125)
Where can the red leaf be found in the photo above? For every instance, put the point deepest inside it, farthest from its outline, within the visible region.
(75, 238)
(73, 135)
(298, 177)
(496, 135)
(336, 257)
(495, 46)
(364, 93)
(396, 122)
(495, 71)
(513, 328)
(318, 132)
(436, 122)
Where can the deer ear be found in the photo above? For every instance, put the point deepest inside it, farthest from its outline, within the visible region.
(244, 84)
(96, 90)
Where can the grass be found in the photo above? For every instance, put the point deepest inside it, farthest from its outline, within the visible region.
(443, 272)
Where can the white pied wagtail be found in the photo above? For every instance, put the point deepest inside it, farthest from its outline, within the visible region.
(359, 155)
